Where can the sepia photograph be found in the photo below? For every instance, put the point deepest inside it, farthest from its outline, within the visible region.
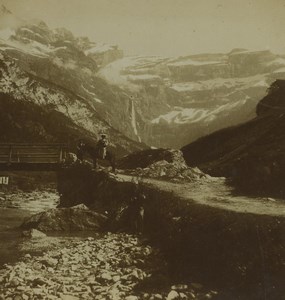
(142, 150)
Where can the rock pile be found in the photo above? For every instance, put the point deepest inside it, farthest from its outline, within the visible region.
(169, 171)
(145, 158)
(75, 218)
(110, 267)
(168, 164)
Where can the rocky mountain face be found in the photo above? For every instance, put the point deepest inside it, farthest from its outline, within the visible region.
(163, 102)
(252, 154)
(25, 121)
(57, 72)
(182, 99)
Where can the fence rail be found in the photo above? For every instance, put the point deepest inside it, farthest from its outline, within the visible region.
(28, 155)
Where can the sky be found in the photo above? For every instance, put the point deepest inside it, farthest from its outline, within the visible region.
(166, 27)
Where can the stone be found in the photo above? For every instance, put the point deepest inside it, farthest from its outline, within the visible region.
(51, 297)
(183, 296)
(37, 291)
(34, 233)
(14, 282)
(39, 281)
(51, 276)
(191, 295)
(116, 278)
(68, 297)
(74, 218)
(106, 276)
(172, 295)
(180, 287)
(50, 269)
(80, 206)
(49, 261)
(131, 298)
(74, 267)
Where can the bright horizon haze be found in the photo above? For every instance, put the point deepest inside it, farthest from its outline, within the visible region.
(165, 27)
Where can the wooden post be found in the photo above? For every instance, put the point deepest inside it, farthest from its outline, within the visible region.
(60, 155)
(10, 155)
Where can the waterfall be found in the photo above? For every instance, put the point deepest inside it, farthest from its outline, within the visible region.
(133, 120)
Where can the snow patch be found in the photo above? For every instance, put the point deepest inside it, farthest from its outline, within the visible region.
(218, 83)
(112, 73)
(70, 65)
(26, 29)
(40, 46)
(6, 33)
(281, 70)
(182, 115)
(16, 83)
(126, 71)
(38, 35)
(249, 51)
(92, 94)
(100, 48)
(261, 83)
(192, 62)
(34, 49)
(277, 61)
(143, 77)
(58, 48)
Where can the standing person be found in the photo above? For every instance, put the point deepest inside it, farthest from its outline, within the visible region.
(102, 146)
(80, 149)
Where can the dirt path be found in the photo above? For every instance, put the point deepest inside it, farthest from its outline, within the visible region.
(216, 193)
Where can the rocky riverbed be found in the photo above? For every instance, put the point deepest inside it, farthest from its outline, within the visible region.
(33, 201)
(80, 265)
(15, 206)
(112, 266)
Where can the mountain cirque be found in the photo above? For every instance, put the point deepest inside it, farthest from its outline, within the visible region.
(163, 102)
(185, 98)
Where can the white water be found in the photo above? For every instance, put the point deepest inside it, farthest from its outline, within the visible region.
(134, 122)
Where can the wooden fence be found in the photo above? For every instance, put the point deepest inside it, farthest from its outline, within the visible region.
(25, 156)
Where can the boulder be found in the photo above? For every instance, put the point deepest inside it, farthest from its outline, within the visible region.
(33, 233)
(172, 295)
(131, 297)
(75, 218)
